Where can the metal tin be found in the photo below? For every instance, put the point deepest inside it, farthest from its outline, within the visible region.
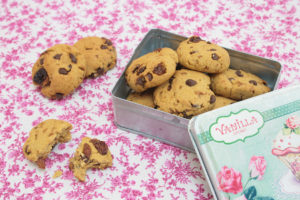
(231, 138)
(163, 126)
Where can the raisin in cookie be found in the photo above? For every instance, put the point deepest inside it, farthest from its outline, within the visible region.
(145, 98)
(91, 153)
(238, 85)
(152, 69)
(59, 71)
(99, 53)
(186, 94)
(43, 137)
(222, 101)
(197, 54)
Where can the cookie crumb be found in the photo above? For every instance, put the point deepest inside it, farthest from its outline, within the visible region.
(57, 174)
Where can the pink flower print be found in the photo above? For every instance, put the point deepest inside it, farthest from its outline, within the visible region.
(257, 167)
(230, 180)
(293, 122)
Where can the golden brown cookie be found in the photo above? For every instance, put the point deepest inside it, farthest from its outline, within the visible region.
(43, 137)
(197, 54)
(238, 85)
(91, 153)
(145, 98)
(222, 101)
(152, 69)
(186, 94)
(99, 53)
(59, 71)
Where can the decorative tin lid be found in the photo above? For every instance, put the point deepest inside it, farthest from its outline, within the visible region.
(251, 149)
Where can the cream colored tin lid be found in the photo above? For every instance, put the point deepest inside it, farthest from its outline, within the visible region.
(251, 149)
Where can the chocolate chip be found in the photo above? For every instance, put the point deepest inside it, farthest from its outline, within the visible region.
(42, 61)
(156, 106)
(103, 47)
(253, 82)
(170, 83)
(158, 50)
(136, 68)
(230, 79)
(192, 52)
(40, 76)
(159, 69)
(41, 163)
(88, 48)
(239, 73)
(109, 65)
(100, 71)
(212, 99)
(215, 56)
(149, 76)
(87, 150)
(195, 39)
(108, 42)
(208, 42)
(27, 151)
(264, 82)
(101, 147)
(212, 50)
(195, 105)
(141, 70)
(140, 81)
(59, 96)
(190, 82)
(63, 71)
(57, 56)
(73, 58)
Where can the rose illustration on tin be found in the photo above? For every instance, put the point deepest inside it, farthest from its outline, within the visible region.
(230, 180)
(257, 167)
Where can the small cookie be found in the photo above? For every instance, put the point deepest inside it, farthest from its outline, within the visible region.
(197, 54)
(99, 53)
(145, 98)
(43, 137)
(238, 85)
(186, 94)
(222, 101)
(152, 69)
(59, 71)
(91, 153)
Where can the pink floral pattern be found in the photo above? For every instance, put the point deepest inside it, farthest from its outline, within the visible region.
(230, 180)
(142, 168)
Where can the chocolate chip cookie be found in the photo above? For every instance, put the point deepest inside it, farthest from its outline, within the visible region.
(197, 54)
(152, 69)
(43, 137)
(59, 71)
(99, 53)
(91, 153)
(238, 84)
(145, 98)
(223, 101)
(186, 94)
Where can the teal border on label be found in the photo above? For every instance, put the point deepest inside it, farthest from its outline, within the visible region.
(267, 115)
(230, 114)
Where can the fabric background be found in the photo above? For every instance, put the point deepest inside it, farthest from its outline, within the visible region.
(142, 168)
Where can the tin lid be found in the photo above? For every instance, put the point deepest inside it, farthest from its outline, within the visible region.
(251, 149)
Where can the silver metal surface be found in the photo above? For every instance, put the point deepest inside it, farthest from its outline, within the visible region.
(163, 126)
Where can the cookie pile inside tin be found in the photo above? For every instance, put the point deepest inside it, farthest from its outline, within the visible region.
(61, 69)
(193, 79)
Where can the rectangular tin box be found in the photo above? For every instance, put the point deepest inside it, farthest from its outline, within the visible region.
(163, 126)
(251, 149)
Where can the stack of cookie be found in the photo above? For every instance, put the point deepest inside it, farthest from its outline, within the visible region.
(193, 80)
(62, 68)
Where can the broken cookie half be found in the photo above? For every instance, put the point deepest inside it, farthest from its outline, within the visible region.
(42, 139)
(91, 153)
